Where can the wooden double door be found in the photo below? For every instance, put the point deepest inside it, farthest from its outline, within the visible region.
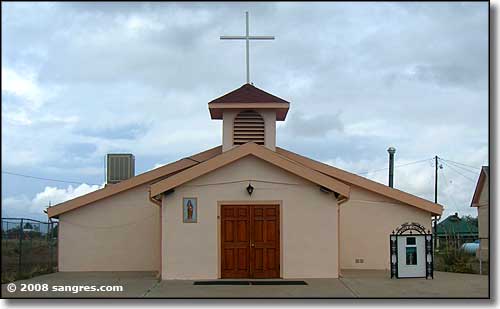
(250, 241)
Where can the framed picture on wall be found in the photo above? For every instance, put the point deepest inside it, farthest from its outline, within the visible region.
(190, 209)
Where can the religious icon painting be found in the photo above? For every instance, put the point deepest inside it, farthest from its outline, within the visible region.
(190, 209)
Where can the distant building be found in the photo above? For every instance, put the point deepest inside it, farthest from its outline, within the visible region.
(456, 231)
(481, 200)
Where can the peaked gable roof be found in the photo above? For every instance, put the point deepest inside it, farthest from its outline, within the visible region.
(248, 97)
(248, 93)
(483, 176)
(171, 175)
(364, 182)
(147, 177)
(454, 225)
(242, 151)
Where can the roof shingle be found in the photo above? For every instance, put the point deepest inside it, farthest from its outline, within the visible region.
(248, 94)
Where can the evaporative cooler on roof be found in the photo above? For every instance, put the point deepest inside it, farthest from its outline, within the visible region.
(248, 127)
(120, 166)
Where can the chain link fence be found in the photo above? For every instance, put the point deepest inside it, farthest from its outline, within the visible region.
(29, 248)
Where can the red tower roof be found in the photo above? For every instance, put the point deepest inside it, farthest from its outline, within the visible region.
(248, 96)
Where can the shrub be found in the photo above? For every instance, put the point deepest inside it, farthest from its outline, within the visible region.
(454, 260)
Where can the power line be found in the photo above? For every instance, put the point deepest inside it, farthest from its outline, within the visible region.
(245, 181)
(462, 168)
(455, 204)
(383, 169)
(473, 167)
(48, 179)
(109, 227)
(456, 171)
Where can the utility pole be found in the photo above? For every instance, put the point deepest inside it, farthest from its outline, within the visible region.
(436, 158)
(436, 179)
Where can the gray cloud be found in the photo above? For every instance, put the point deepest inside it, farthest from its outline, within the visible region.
(117, 131)
(317, 126)
(89, 78)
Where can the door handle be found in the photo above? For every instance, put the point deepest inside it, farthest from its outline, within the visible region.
(253, 245)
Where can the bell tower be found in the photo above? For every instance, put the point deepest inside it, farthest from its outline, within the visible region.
(248, 114)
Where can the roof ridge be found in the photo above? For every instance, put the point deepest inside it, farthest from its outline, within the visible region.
(166, 171)
(240, 152)
(374, 186)
(138, 180)
(248, 93)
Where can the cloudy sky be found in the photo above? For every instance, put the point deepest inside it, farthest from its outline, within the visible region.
(80, 80)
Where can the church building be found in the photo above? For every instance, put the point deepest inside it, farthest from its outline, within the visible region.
(244, 209)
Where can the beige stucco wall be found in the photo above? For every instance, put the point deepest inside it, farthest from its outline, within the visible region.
(483, 214)
(308, 222)
(366, 221)
(269, 117)
(120, 233)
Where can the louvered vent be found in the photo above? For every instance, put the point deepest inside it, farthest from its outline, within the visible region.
(120, 167)
(248, 127)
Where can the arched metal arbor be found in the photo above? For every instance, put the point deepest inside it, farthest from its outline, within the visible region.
(412, 228)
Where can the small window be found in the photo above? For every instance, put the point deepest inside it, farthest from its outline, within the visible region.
(411, 255)
(411, 241)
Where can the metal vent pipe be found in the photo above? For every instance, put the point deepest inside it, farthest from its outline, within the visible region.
(391, 151)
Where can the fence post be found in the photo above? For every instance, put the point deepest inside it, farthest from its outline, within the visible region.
(51, 267)
(480, 260)
(20, 248)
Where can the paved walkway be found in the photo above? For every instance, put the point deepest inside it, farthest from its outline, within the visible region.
(353, 284)
(378, 284)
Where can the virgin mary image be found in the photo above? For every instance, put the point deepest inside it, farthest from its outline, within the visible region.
(189, 211)
(189, 214)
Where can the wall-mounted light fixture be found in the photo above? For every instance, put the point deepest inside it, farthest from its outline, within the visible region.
(250, 189)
